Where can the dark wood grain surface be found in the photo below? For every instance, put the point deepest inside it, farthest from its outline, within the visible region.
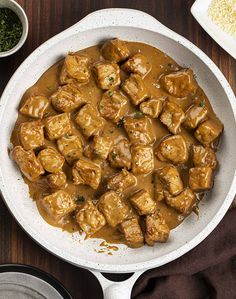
(47, 18)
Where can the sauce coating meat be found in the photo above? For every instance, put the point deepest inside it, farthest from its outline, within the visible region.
(117, 141)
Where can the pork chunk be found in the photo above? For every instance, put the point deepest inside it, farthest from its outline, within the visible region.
(170, 179)
(107, 74)
(180, 83)
(86, 172)
(71, 147)
(90, 219)
(156, 229)
(182, 202)
(138, 64)
(27, 162)
(56, 180)
(208, 131)
(132, 232)
(121, 181)
(204, 157)
(101, 146)
(58, 204)
(173, 149)
(172, 116)
(152, 107)
(201, 178)
(120, 155)
(113, 207)
(35, 106)
(143, 202)
(57, 126)
(142, 159)
(139, 129)
(115, 50)
(135, 88)
(75, 69)
(31, 134)
(113, 105)
(89, 120)
(194, 116)
(51, 159)
(67, 98)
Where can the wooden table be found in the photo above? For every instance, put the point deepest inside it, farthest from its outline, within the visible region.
(47, 18)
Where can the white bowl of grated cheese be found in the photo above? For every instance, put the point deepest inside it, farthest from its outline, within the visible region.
(218, 19)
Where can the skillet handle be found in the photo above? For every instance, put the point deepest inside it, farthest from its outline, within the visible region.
(120, 17)
(117, 290)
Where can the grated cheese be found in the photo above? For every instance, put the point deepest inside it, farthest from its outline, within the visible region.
(223, 13)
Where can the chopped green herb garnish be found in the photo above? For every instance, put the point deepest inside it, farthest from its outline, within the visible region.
(138, 114)
(111, 79)
(80, 199)
(110, 93)
(10, 29)
(50, 87)
(121, 122)
(113, 156)
(202, 104)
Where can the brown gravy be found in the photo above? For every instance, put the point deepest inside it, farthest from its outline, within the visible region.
(49, 82)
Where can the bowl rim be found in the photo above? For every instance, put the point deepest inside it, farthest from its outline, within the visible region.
(19, 11)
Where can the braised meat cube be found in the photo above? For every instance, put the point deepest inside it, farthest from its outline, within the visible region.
(107, 74)
(67, 98)
(57, 126)
(115, 50)
(135, 88)
(113, 207)
(121, 181)
(143, 202)
(170, 179)
(51, 159)
(71, 147)
(179, 84)
(139, 129)
(31, 134)
(75, 69)
(113, 105)
(152, 107)
(86, 172)
(201, 178)
(208, 131)
(156, 229)
(89, 120)
(158, 189)
(101, 146)
(120, 155)
(56, 180)
(132, 232)
(138, 64)
(194, 116)
(204, 157)
(27, 162)
(90, 219)
(142, 159)
(173, 149)
(58, 204)
(172, 116)
(182, 202)
(35, 106)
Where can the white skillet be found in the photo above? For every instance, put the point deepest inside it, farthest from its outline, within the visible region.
(130, 25)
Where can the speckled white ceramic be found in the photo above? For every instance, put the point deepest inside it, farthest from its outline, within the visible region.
(134, 26)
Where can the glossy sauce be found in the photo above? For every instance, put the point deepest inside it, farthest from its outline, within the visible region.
(49, 82)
